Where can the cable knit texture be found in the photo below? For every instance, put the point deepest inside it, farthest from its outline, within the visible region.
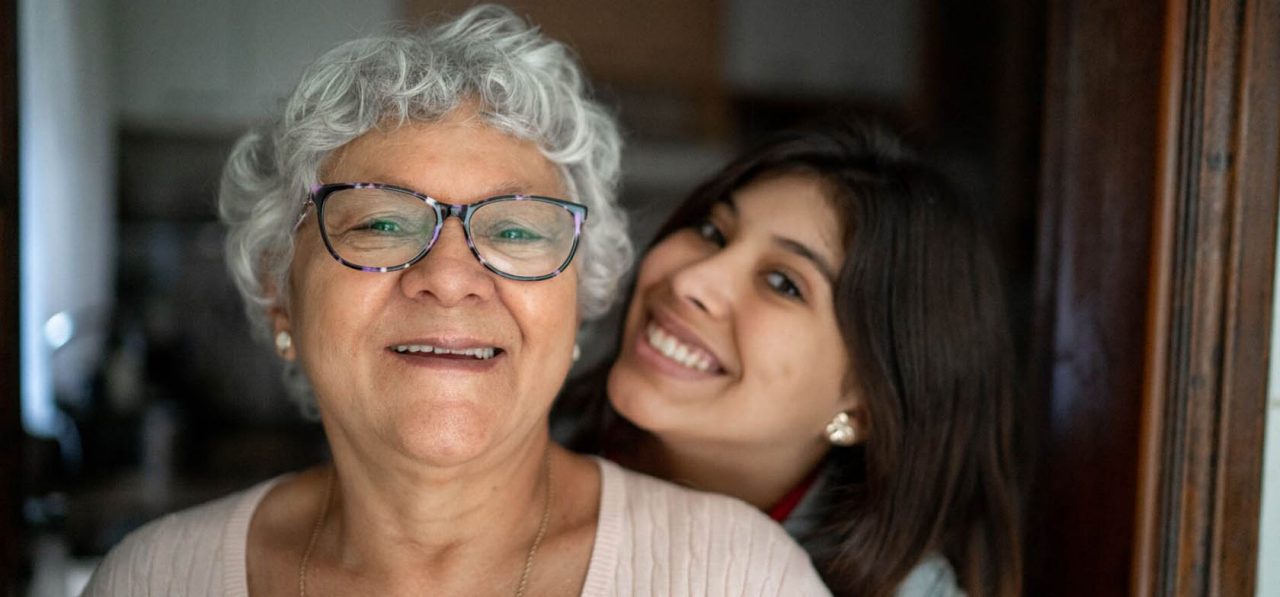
(652, 538)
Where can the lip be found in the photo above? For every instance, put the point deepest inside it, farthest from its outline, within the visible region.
(450, 342)
(448, 362)
(656, 360)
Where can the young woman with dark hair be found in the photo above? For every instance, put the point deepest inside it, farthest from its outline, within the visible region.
(820, 331)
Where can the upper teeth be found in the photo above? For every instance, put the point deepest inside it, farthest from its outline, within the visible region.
(479, 353)
(689, 356)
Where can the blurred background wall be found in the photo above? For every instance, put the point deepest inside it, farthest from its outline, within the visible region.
(142, 391)
(68, 170)
(1124, 152)
(1269, 524)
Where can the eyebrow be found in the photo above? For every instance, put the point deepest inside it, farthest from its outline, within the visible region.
(795, 247)
(799, 248)
(506, 187)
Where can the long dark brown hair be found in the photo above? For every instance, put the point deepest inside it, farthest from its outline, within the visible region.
(920, 304)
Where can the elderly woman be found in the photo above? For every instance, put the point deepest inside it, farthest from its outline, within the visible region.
(421, 233)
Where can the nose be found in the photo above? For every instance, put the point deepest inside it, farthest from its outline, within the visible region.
(708, 284)
(450, 274)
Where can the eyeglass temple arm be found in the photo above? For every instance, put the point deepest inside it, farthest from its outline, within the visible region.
(305, 202)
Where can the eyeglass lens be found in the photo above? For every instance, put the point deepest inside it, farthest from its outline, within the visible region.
(382, 228)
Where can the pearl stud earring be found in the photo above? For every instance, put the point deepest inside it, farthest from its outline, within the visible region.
(840, 432)
(284, 342)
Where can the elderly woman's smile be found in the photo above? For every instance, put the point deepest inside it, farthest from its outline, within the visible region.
(441, 357)
(441, 352)
(439, 349)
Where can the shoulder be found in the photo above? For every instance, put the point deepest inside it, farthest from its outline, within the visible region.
(673, 536)
(649, 498)
(185, 552)
(932, 577)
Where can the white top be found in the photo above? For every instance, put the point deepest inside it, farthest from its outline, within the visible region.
(652, 538)
(932, 576)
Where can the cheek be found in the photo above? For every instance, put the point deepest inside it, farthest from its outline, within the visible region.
(825, 372)
(331, 308)
(796, 363)
(667, 257)
(546, 312)
(548, 324)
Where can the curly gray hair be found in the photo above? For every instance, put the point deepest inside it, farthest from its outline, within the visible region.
(525, 85)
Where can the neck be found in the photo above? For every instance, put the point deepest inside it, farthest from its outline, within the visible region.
(398, 518)
(758, 475)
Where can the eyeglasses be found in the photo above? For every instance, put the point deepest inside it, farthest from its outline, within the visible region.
(376, 227)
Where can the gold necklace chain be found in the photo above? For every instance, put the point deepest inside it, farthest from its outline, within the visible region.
(542, 526)
(315, 534)
(528, 560)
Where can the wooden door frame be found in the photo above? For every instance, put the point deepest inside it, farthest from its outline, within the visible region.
(1161, 144)
(1208, 338)
(10, 416)
(1098, 165)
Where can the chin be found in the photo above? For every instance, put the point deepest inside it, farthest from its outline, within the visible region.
(640, 403)
(446, 435)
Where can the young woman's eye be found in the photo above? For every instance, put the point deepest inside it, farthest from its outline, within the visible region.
(708, 231)
(783, 285)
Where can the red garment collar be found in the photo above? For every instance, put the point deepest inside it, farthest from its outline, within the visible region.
(785, 506)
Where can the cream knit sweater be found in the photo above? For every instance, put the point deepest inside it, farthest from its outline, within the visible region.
(652, 538)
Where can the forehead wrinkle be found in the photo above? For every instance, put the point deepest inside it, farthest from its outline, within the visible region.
(389, 143)
(507, 187)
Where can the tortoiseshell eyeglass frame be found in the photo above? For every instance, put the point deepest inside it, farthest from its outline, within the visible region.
(319, 193)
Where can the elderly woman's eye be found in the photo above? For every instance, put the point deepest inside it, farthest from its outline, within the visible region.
(515, 234)
(783, 285)
(708, 231)
(387, 226)
(512, 232)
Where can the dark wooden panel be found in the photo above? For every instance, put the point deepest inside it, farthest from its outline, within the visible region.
(669, 48)
(10, 425)
(1097, 180)
(655, 43)
(1211, 302)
